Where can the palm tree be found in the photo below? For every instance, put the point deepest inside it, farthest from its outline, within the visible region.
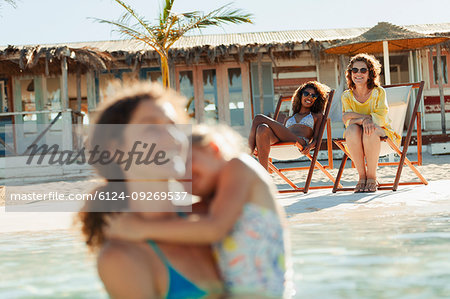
(171, 27)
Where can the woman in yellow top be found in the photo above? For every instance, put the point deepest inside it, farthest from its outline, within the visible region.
(365, 115)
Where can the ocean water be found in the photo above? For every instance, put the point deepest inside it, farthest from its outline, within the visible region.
(49, 264)
(390, 257)
(402, 257)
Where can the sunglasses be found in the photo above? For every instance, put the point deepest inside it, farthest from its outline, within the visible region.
(362, 70)
(306, 94)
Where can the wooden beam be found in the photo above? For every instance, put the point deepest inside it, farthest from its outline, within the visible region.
(294, 69)
(292, 82)
(441, 86)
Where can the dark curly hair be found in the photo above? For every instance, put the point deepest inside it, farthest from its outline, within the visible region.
(321, 91)
(118, 110)
(373, 65)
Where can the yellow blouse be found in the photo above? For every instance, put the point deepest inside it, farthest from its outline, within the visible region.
(375, 106)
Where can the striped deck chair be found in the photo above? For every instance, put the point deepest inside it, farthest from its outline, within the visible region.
(398, 96)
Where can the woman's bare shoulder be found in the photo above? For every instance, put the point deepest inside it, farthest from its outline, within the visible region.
(317, 116)
(118, 263)
(240, 164)
(244, 167)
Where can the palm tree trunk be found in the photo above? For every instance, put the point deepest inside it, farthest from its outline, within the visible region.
(165, 71)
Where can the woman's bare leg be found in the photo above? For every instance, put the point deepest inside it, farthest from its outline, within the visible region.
(372, 145)
(258, 120)
(264, 139)
(278, 129)
(354, 140)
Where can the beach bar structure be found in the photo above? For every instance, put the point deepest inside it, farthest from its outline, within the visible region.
(227, 78)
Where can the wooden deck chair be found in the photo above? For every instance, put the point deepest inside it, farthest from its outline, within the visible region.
(398, 96)
(285, 151)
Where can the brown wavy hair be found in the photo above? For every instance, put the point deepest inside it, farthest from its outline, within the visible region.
(322, 97)
(373, 65)
(118, 110)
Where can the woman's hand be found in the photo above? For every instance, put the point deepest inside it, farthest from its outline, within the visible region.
(307, 148)
(125, 226)
(368, 126)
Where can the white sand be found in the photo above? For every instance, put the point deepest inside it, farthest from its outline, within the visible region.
(317, 204)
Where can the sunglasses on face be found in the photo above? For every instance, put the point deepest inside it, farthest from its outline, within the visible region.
(306, 94)
(362, 70)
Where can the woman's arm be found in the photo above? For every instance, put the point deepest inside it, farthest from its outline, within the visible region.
(226, 207)
(313, 142)
(354, 118)
(363, 120)
(348, 115)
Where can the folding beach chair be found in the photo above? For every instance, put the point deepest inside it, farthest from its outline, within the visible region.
(398, 96)
(285, 151)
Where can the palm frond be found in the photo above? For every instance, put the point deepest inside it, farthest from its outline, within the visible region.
(166, 11)
(131, 14)
(132, 33)
(217, 17)
(10, 2)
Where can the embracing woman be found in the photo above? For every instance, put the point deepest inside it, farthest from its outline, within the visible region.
(146, 269)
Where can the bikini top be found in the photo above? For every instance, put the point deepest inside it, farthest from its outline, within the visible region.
(306, 121)
(179, 286)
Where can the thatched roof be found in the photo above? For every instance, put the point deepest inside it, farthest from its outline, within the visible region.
(211, 48)
(32, 60)
(399, 38)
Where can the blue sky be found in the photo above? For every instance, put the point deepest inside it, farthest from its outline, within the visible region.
(55, 21)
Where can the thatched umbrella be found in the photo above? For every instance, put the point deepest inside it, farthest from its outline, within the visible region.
(385, 37)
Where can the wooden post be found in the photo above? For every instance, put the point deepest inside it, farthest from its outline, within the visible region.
(260, 84)
(172, 77)
(342, 84)
(223, 94)
(40, 92)
(18, 119)
(17, 100)
(64, 84)
(78, 90)
(247, 96)
(387, 67)
(441, 87)
(91, 97)
(66, 114)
